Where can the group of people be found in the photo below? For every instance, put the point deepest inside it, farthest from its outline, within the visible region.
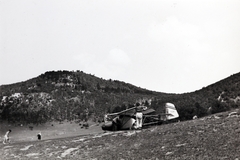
(6, 138)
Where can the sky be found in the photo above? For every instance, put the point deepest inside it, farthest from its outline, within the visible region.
(171, 46)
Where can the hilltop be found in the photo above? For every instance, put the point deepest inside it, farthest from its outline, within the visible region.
(64, 95)
(77, 96)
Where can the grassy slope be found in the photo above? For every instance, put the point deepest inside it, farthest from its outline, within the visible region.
(51, 130)
(214, 137)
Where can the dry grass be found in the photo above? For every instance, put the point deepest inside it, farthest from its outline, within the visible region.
(51, 130)
(214, 137)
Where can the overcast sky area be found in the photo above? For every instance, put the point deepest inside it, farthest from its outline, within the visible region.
(161, 45)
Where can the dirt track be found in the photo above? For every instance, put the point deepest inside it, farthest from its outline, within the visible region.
(214, 137)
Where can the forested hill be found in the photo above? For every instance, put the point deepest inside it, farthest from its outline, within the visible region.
(64, 95)
(61, 95)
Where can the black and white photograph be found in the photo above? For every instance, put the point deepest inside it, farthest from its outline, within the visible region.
(120, 79)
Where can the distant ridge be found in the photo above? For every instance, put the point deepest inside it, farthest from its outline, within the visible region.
(66, 95)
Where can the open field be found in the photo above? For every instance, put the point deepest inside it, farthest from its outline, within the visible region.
(49, 130)
(213, 137)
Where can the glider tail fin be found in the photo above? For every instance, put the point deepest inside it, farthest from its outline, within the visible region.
(171, 111)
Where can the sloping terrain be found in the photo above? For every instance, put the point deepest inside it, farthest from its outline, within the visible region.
(213, 137)
(53, 130)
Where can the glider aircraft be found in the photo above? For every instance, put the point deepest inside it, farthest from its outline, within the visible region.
(126, 119)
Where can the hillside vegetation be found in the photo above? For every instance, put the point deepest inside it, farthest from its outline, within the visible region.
(65, 95)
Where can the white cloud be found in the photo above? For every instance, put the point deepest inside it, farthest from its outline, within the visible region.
(181, 44)
(118, 57)
(113, 65)
(175, 36)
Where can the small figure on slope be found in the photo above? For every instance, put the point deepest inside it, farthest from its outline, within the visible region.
(39, 135)
(6, 137)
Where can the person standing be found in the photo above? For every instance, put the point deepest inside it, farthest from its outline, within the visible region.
(39, 135)
(86, 114)
(6, 137)
(105, 118)
(139, 116)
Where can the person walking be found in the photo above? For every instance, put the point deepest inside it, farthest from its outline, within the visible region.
(6, 137)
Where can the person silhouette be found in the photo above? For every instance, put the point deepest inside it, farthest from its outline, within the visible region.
(6, 137)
